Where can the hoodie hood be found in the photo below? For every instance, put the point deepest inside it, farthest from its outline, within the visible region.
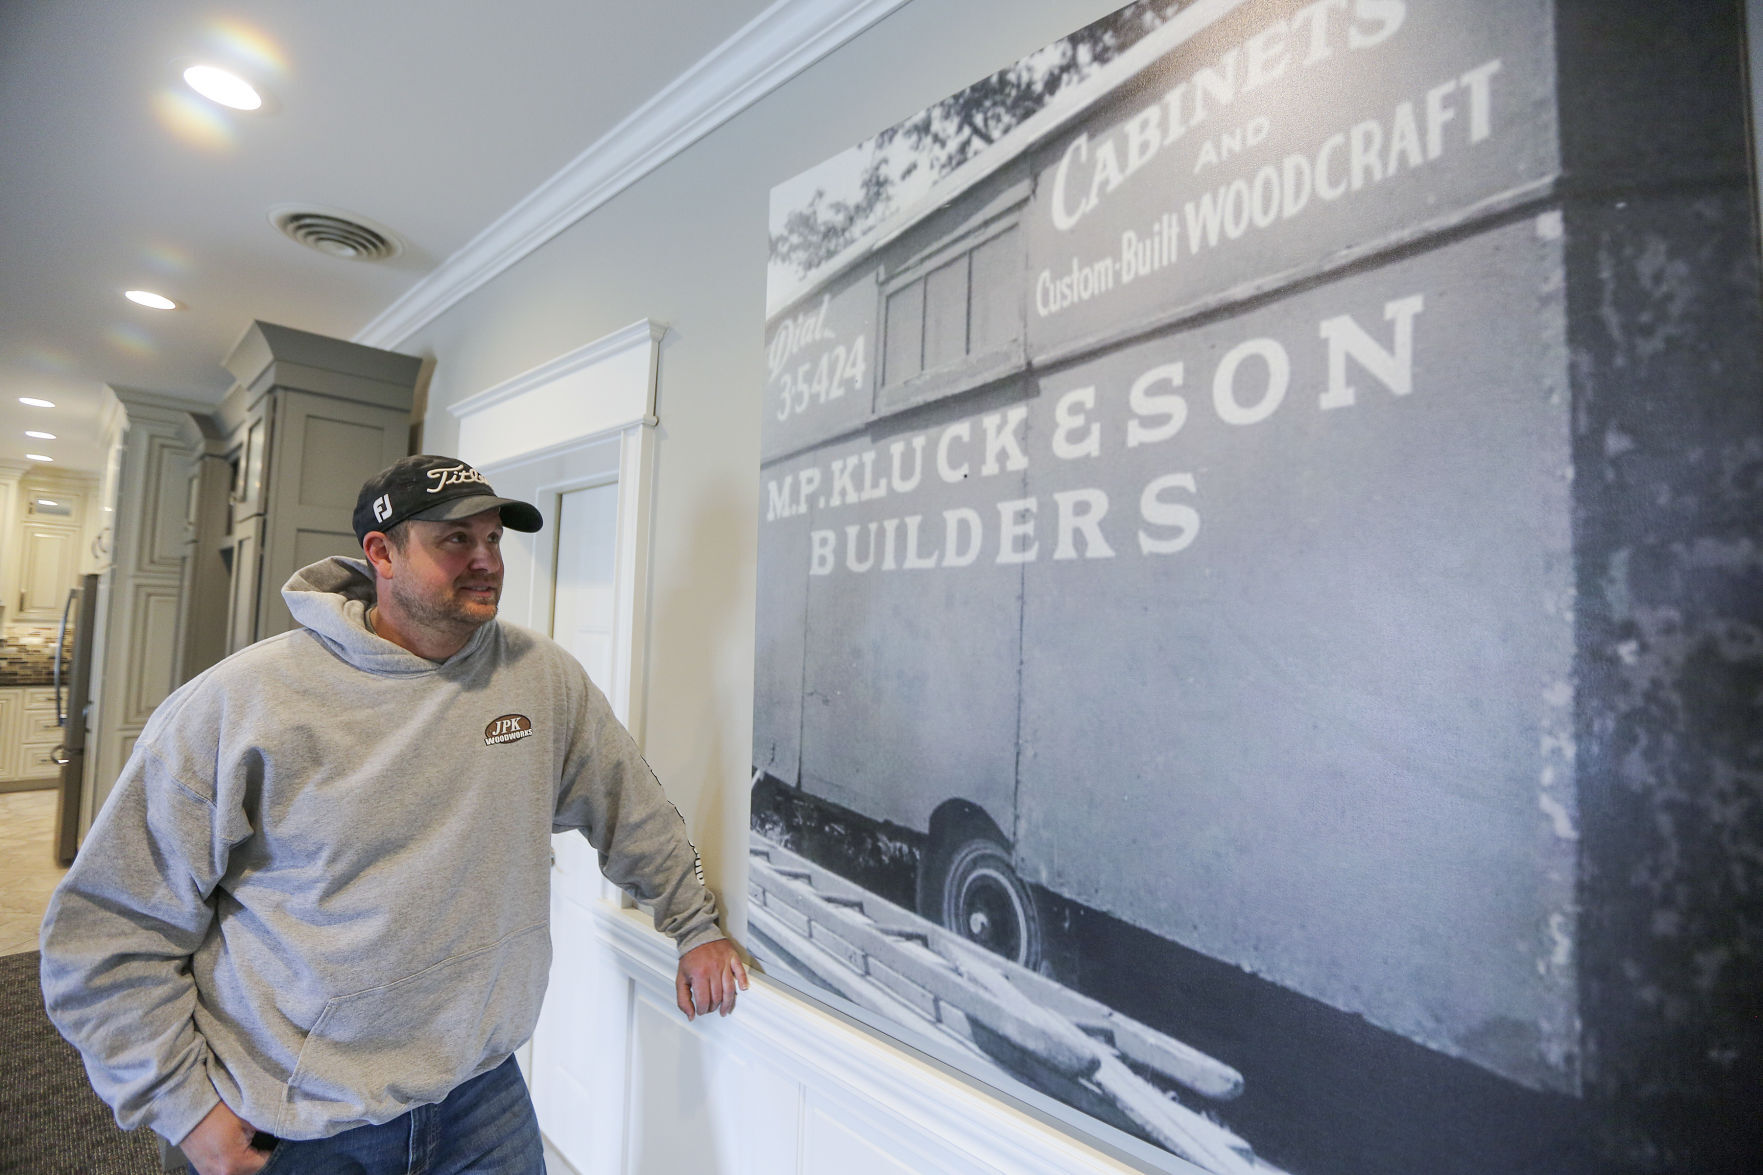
(330, 599)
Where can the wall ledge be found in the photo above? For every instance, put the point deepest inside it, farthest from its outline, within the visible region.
(836, 1060)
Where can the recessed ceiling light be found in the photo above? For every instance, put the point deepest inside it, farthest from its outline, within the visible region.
(149, 298)
(229, 89)
(39, 436)
(36, 403)
(37, 457)
(47, 502)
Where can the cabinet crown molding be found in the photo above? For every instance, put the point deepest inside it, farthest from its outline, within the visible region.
(269, 356)
(135, 401)
(264, 343)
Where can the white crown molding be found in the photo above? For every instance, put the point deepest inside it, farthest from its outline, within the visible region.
(40, 474)
(773, 47)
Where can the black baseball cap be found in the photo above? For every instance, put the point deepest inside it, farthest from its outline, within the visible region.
(433, 489)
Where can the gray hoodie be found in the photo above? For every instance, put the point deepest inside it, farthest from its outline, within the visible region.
(320, 889)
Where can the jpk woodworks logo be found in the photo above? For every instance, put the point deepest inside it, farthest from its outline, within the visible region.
(506, 729)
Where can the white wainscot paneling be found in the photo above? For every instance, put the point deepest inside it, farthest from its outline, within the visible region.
(154, 610)
(829, 1144)
(699, 1105)
(784, 1088)
(577, 1070)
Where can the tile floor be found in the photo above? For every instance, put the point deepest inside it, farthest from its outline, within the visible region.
(28, 871)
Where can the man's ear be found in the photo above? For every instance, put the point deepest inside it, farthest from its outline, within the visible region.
(378, 550)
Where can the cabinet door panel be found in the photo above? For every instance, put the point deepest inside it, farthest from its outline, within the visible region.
(241, 628)
(50, 563)
(322, 450)
(41, 727)
(165, 491)
(251, 448)
(11, 704)
(37, 761)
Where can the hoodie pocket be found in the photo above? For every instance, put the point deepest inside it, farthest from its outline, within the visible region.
(374, 1054)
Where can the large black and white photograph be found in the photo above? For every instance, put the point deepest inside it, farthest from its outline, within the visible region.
(1260, 610)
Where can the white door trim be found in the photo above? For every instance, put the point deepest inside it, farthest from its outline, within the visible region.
(600, 388)
(601, 391)
(584, 418)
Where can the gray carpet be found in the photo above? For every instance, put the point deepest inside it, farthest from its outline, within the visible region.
(51, 1123)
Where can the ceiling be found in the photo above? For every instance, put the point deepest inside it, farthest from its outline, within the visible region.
(432, 118)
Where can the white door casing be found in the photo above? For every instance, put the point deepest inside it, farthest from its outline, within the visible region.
(575, 437)
(581, 419)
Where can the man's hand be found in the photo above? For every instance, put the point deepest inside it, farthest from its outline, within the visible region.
(708, 976)
(221, 1144)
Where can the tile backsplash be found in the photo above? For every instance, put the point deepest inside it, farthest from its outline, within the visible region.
(27, 651)
(30, 633)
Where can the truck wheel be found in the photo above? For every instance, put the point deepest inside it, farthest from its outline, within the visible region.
(987, 904)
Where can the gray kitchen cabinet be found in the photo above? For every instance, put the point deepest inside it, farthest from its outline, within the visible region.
(310, 419)
(214, 508)
(244, 556)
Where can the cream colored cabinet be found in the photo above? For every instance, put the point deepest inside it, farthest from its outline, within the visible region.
(11, 730)
(41, 735)
(29, 733)
(47, 535)
(49, 557)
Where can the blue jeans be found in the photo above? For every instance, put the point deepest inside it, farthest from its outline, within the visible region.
(484, 1127)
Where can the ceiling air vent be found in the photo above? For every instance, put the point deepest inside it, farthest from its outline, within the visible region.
(337, 234)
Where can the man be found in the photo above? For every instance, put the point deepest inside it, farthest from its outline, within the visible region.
(310, 925)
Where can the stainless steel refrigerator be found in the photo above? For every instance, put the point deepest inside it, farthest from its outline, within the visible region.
(73, 688)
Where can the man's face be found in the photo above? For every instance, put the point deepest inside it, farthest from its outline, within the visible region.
(448, 578)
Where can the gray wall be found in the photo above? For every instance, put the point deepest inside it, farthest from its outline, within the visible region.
(686, 246)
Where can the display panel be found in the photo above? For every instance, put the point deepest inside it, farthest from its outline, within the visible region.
(1209, 475)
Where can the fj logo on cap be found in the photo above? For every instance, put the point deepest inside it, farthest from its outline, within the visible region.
(382, 507)
(507, 729)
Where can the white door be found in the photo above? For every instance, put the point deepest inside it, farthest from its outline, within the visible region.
(583, 589)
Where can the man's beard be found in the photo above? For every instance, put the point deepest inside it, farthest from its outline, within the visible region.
(450, 614)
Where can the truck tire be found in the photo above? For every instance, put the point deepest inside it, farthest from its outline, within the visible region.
(985, 903)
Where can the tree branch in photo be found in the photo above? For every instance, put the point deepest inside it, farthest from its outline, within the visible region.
(952, 132)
